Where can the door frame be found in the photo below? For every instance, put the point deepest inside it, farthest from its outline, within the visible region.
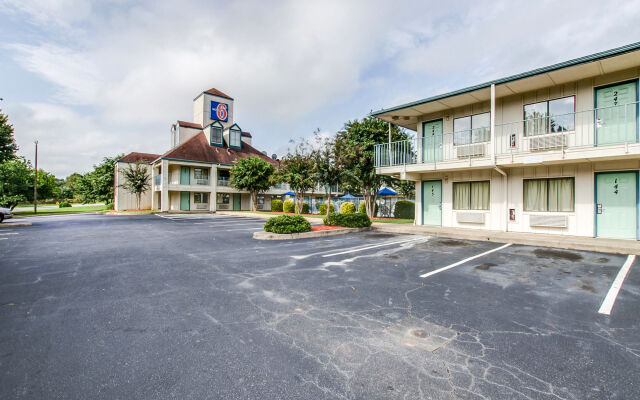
(595, 199)
(233, 205)
(422, 200)
(188, 202)
(182, 170)
(422, 138)
(595, 106)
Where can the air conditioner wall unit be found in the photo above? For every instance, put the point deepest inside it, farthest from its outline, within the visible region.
(547, 142)
(548, 221)
(471, 150)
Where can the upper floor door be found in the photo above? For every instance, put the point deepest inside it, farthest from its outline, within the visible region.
(432, 141)
(617, 113)
(185, 176)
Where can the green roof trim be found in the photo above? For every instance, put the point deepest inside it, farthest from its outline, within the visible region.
(565, 64)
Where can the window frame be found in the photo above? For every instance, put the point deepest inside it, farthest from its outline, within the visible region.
(547, 116)
(453, 191)
(221, 198)
(200, 197)
(238, 134)
(573, 208)
(204, 173)
(470, 130)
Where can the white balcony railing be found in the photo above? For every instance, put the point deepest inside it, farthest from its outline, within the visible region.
(223, 181)
(599, 127)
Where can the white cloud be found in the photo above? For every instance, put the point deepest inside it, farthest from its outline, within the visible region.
(123, 71)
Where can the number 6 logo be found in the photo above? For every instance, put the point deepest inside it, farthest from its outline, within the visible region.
(221, 111)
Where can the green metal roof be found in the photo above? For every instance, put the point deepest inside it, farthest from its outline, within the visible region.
(576, 61)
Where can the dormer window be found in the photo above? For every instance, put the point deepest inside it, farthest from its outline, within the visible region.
(216, 134)
(235, 137)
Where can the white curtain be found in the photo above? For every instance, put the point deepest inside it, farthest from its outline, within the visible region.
(561, 194)
(461, 196)
(535, 195)
(480, 195)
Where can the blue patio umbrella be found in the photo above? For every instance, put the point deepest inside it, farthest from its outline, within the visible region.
(387, 192)
(347, 196)
(288, 194)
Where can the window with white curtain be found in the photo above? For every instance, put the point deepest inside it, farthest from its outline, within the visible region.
(552, 195)
(472, 129)
(471, 195)
(235, 138)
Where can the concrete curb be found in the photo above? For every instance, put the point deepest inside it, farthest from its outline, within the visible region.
(263, 216)
(305, 235)
(14, 224)
(602, 245)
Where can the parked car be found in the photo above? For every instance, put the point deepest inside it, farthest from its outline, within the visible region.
(5, 213)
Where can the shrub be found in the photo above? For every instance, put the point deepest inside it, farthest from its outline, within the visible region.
(347, 208)
(276, 205)
(323, 208)
(64, 204)
(362, 208)
(289, 206)
(405, 209)
(355, 220)
(305, 208)
(287, 224)
(109, 206)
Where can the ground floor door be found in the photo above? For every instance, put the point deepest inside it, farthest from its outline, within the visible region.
(432, 141)
(432, 203)
(237, 199)
(617, 204)
(184, 201)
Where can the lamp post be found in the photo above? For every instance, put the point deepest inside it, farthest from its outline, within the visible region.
(35, 183)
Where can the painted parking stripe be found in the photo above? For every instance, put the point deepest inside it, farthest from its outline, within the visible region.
(610, 299)
(375, 246)
(428, 274)
(8, 233)
(341, 240)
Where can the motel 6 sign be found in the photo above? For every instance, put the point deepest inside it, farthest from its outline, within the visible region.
(219, 111)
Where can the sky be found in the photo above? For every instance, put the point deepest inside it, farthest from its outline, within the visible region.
(94, 79)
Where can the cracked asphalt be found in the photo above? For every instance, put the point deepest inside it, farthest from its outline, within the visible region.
(146, 307)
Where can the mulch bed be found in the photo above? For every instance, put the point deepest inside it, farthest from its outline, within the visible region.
(316, 228)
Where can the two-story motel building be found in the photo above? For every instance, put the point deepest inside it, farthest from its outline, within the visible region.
(553, 150)
(194, 174)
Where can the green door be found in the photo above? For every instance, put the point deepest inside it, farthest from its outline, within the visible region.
(616, 204)
(432, 141)
(616, 114)
(432, 203)
(185, 175)
(237, 197)
(184, 201)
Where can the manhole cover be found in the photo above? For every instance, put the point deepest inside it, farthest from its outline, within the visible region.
(419, 333)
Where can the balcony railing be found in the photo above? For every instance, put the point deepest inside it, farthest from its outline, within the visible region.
(223, 181)
(604, 126)
(202, 180)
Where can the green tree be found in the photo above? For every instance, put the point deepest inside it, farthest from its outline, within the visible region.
(355, 148)
(8, 145)
(326, 165)
(71, 186)
(137, 181)
(405, 188)
(48, 188)
(16, 177)
(297, 170)
(252, 174)
(98, 185)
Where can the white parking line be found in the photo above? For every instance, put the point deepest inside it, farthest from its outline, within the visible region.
(8, 233)
(607, 304)
(4, 238)
(428, 274)
(374, 246)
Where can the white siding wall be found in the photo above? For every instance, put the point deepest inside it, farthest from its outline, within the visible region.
(124, 200)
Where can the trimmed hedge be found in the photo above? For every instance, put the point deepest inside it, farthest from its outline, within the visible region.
(405, 209)
(289, 206)
(63, 204)
(305, 208)
(355, 220)
(287, 224)
(362, 209)
(323, 208)
(276, 205)
(347, 208)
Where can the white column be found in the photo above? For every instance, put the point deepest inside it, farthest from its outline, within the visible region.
(493, 123)
(164, 187)
(213, 176)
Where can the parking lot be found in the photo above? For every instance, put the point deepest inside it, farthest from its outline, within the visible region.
(191, 307)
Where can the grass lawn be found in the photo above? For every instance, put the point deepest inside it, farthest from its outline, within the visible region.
(394, 220)
(57, 211)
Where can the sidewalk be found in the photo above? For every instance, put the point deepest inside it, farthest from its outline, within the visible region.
(619, 246)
